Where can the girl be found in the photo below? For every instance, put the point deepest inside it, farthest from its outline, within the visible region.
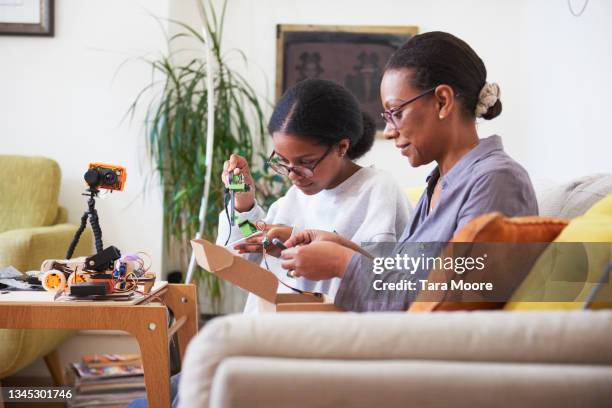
(317, 132)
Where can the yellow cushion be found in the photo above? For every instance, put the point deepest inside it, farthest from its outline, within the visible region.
(29, 188)
(586, 261)
(414, 194)
(22, 346)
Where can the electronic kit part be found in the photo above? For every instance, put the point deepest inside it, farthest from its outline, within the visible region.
(104, 260)
(88, 289)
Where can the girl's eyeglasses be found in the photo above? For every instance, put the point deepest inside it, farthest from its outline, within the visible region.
(300, 171)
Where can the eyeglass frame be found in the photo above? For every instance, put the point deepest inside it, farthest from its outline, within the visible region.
(388, 114)
(290, 169)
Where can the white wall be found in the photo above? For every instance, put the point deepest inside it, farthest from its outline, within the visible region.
(567, 81)
(553, 68)
(59, 98)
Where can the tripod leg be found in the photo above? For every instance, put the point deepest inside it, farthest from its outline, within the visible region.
(77, 235)
(95, 225)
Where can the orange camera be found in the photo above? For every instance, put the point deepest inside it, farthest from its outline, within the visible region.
(106, 176)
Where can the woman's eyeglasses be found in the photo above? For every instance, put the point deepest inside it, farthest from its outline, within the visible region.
(392, 116)
(301, 171)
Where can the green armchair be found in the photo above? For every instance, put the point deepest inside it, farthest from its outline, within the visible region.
(32, 228)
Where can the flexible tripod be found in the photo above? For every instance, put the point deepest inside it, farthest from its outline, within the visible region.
(92, 215)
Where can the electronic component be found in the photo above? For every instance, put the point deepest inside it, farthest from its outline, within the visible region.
(247, 228)
(104, 260)
(235, 185)
(279, 244)
(88, 289)
(106, 176)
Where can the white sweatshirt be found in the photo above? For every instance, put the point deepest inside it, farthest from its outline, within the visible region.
(366, 207)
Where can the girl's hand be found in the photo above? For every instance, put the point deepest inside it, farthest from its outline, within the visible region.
(255, 244)
(238, 165)
(319, 260)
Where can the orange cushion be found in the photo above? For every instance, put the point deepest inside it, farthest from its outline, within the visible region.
(493, 228)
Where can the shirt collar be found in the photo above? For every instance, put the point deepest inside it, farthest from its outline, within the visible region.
(483, 148)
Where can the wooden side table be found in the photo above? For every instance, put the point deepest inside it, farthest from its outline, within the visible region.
(147, 322)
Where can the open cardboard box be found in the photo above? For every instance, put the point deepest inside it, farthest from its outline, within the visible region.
(259, 281)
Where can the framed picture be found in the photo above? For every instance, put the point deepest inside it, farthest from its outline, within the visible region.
(26, 17)
(353, 56)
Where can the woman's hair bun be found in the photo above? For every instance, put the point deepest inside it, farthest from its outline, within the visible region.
(493, 111)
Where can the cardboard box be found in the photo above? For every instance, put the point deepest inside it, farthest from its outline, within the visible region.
(261, 282)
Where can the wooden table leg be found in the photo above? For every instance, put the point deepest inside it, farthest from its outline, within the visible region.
(151, 331)
(182, 300)
(54, 366)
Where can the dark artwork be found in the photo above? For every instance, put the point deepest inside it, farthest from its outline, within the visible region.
(353, 59)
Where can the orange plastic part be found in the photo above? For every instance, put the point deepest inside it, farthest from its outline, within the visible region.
(120, 171)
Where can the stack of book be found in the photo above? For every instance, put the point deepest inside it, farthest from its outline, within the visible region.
(107, 380)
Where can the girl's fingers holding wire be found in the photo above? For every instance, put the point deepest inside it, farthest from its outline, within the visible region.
(224, 175)
(257, 239)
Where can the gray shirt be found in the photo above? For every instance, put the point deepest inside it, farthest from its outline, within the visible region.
(486, 179)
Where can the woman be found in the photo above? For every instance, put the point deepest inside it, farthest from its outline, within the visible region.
(433, 90)
(317, 132)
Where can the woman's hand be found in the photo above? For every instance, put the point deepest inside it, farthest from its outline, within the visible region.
(319, 260)
(238, 165)
(309, 236)
(255, 244)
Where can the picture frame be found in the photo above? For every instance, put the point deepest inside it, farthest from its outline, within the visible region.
(353, 56)
(27, 17)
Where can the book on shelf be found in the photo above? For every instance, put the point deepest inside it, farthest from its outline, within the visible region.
(103, 360)
(106, 380)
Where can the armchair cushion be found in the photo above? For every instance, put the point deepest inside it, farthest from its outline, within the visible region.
(26, 248)
(20, 347)
(574, 198)
(256, 382)
(30, 188)
(568, 338)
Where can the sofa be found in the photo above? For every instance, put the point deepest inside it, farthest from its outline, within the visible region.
(33, 227)
(493, 358)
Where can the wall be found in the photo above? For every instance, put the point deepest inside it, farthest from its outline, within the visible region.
(60, 98)
(565, 84)
(550, 66)
(65, 98)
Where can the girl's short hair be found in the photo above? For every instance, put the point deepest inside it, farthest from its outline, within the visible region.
(326, 112)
